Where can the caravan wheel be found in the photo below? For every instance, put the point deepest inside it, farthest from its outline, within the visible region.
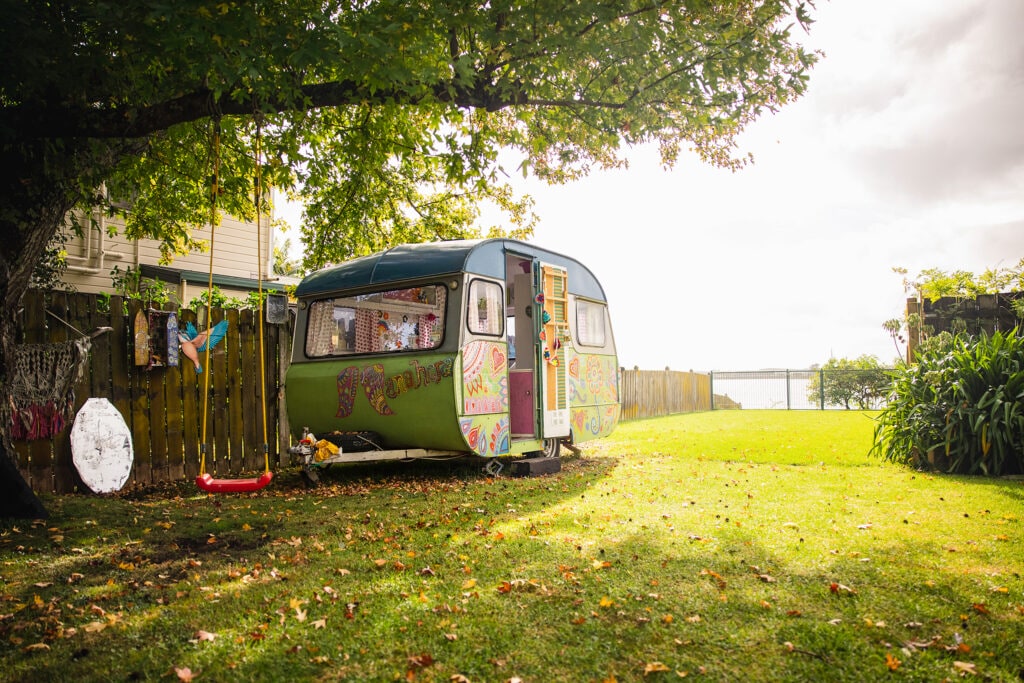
(552, 448)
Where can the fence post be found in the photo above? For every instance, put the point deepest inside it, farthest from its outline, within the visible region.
(789, 402)
(821, 388)
(711, 387)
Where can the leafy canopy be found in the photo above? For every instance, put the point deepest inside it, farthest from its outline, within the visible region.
(385, 116)
(935, 283)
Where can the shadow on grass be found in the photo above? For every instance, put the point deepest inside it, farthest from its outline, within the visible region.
(557, 578)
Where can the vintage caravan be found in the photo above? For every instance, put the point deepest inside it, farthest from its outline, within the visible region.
(490, 347)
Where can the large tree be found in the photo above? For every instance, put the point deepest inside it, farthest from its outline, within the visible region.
(386, 116)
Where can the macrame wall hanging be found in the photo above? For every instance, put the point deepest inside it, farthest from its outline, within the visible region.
(43, 386)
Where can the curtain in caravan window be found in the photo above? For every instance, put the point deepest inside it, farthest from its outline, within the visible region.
(321, 328)
(590, 323)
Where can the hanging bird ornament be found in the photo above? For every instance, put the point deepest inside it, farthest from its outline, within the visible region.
(193, 342)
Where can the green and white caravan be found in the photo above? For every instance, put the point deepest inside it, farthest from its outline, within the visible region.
(490, 347)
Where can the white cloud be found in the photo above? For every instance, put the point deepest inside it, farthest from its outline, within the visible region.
(907, 151)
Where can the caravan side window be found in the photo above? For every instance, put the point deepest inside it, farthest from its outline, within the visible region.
(485, 310)
(377, 322)
(590, 323)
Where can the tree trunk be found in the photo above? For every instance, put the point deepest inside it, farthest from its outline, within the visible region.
(17, 500)
(38, 186)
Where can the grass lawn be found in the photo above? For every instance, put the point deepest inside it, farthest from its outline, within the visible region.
(724, 546)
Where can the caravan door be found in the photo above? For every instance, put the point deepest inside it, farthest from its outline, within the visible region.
(552, 298)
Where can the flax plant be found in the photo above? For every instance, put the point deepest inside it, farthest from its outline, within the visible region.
(959, 408)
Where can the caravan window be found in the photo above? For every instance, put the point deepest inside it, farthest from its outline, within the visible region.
(590, 323)
(485, 310)
(377, 322)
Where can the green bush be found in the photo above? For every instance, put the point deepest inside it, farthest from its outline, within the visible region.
(959, 408)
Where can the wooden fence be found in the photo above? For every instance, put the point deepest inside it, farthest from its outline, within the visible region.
(162, 405)
(652, 393)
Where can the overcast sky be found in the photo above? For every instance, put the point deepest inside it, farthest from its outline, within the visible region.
(908, 150)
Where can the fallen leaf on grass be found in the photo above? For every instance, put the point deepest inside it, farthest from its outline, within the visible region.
(839, 588)
(965, 668)
(185, 674)
(654, 667)
(35, 647)
(421, 661)
(205, 635)
(891, 662)
(716, 576)
(320, 623)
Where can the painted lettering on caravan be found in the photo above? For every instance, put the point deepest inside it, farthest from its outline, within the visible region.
(379, 388)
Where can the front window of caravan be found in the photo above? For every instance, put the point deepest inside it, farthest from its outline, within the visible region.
(378, 322)
(485, 311)
(590, 323)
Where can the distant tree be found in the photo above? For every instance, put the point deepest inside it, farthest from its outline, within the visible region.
(859, 382)
(934, 283)
(283, 263)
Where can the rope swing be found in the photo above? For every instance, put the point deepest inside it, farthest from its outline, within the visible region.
(204, 480)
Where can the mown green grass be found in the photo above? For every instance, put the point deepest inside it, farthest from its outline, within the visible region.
(725, 546)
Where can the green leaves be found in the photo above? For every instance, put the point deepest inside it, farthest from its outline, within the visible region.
(386, 117)
(960, 408)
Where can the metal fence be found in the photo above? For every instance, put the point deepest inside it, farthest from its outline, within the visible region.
(813, 389)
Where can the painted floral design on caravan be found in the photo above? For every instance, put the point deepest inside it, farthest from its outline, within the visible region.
(378, 387)
(484, 378)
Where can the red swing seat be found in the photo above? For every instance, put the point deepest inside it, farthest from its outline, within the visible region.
(208, 483)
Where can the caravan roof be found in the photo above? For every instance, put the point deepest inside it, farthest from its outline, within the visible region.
(416, 261)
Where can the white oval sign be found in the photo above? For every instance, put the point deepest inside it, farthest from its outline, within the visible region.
(101, 446)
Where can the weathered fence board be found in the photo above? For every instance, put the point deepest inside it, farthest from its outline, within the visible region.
(249, 409)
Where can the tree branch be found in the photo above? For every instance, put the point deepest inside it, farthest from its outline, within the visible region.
(33, 121)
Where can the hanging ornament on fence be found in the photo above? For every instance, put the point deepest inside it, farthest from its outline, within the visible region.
(101, 446)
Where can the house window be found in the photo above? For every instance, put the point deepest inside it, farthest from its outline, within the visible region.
(378, 322)
(590, 318)
(485, 310)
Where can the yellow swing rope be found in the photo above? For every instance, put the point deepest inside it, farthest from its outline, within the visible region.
(259, 275)
(214, 191)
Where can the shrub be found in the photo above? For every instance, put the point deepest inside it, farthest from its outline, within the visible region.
(843, 381)
(960, 408)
